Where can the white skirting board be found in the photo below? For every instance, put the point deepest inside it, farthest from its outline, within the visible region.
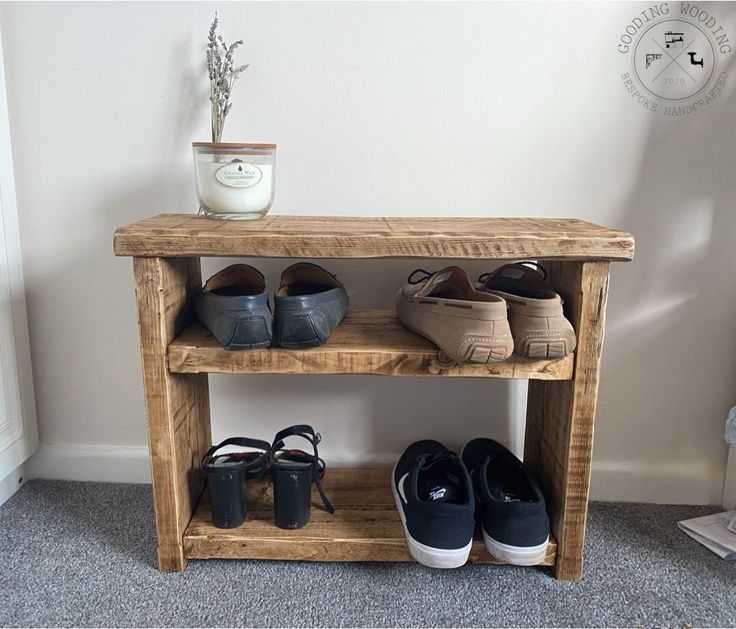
(658, 483)
(612, 481)
(105, 464)
(12, 483)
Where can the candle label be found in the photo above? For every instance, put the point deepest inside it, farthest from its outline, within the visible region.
(239, 175)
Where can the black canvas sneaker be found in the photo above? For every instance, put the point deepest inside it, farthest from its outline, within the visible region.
(434, 497)
(510, 505)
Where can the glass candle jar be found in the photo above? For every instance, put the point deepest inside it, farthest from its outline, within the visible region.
(234, 181)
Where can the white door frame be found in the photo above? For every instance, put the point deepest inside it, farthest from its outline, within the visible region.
(18, 431)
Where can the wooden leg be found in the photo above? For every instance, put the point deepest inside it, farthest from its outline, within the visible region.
(177, 405)
(560, 415)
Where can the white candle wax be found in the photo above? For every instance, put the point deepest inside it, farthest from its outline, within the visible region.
(217, 196)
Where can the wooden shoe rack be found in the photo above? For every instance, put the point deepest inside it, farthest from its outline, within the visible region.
(178, 354)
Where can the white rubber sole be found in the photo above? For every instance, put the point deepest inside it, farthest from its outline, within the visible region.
(516, 555)
(427, 555)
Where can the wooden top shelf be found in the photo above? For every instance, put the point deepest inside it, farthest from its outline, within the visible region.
(189, 235)
(366, 342)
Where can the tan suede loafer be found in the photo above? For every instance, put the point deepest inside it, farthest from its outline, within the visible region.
(468, 325)
(538, 325)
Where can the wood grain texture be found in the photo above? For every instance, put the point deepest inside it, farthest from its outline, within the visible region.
(561, 415)
(177, 405)
(364, 527)
(177, 354)
(366, 342)
(178, 235)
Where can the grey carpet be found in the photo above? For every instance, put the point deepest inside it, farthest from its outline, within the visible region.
(82, 554)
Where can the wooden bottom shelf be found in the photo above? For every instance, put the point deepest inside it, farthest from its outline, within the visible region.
(364, 527)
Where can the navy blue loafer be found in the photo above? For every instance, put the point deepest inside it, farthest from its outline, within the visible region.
(309, 305)
(234, 306)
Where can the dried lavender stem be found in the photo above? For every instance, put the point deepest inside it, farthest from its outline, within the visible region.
(222, 75)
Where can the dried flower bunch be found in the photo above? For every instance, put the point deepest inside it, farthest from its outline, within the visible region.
(222, 75)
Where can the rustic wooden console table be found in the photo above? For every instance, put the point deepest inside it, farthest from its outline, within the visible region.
(178, 354)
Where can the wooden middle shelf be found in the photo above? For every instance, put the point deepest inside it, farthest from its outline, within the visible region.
(366, 342)
(364, 527)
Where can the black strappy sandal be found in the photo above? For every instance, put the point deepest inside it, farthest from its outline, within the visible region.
(226, 476)
(292, 473)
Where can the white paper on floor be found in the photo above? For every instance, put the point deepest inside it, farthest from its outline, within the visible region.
(716, 532)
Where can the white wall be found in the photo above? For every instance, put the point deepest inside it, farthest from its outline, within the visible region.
(393, 109)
